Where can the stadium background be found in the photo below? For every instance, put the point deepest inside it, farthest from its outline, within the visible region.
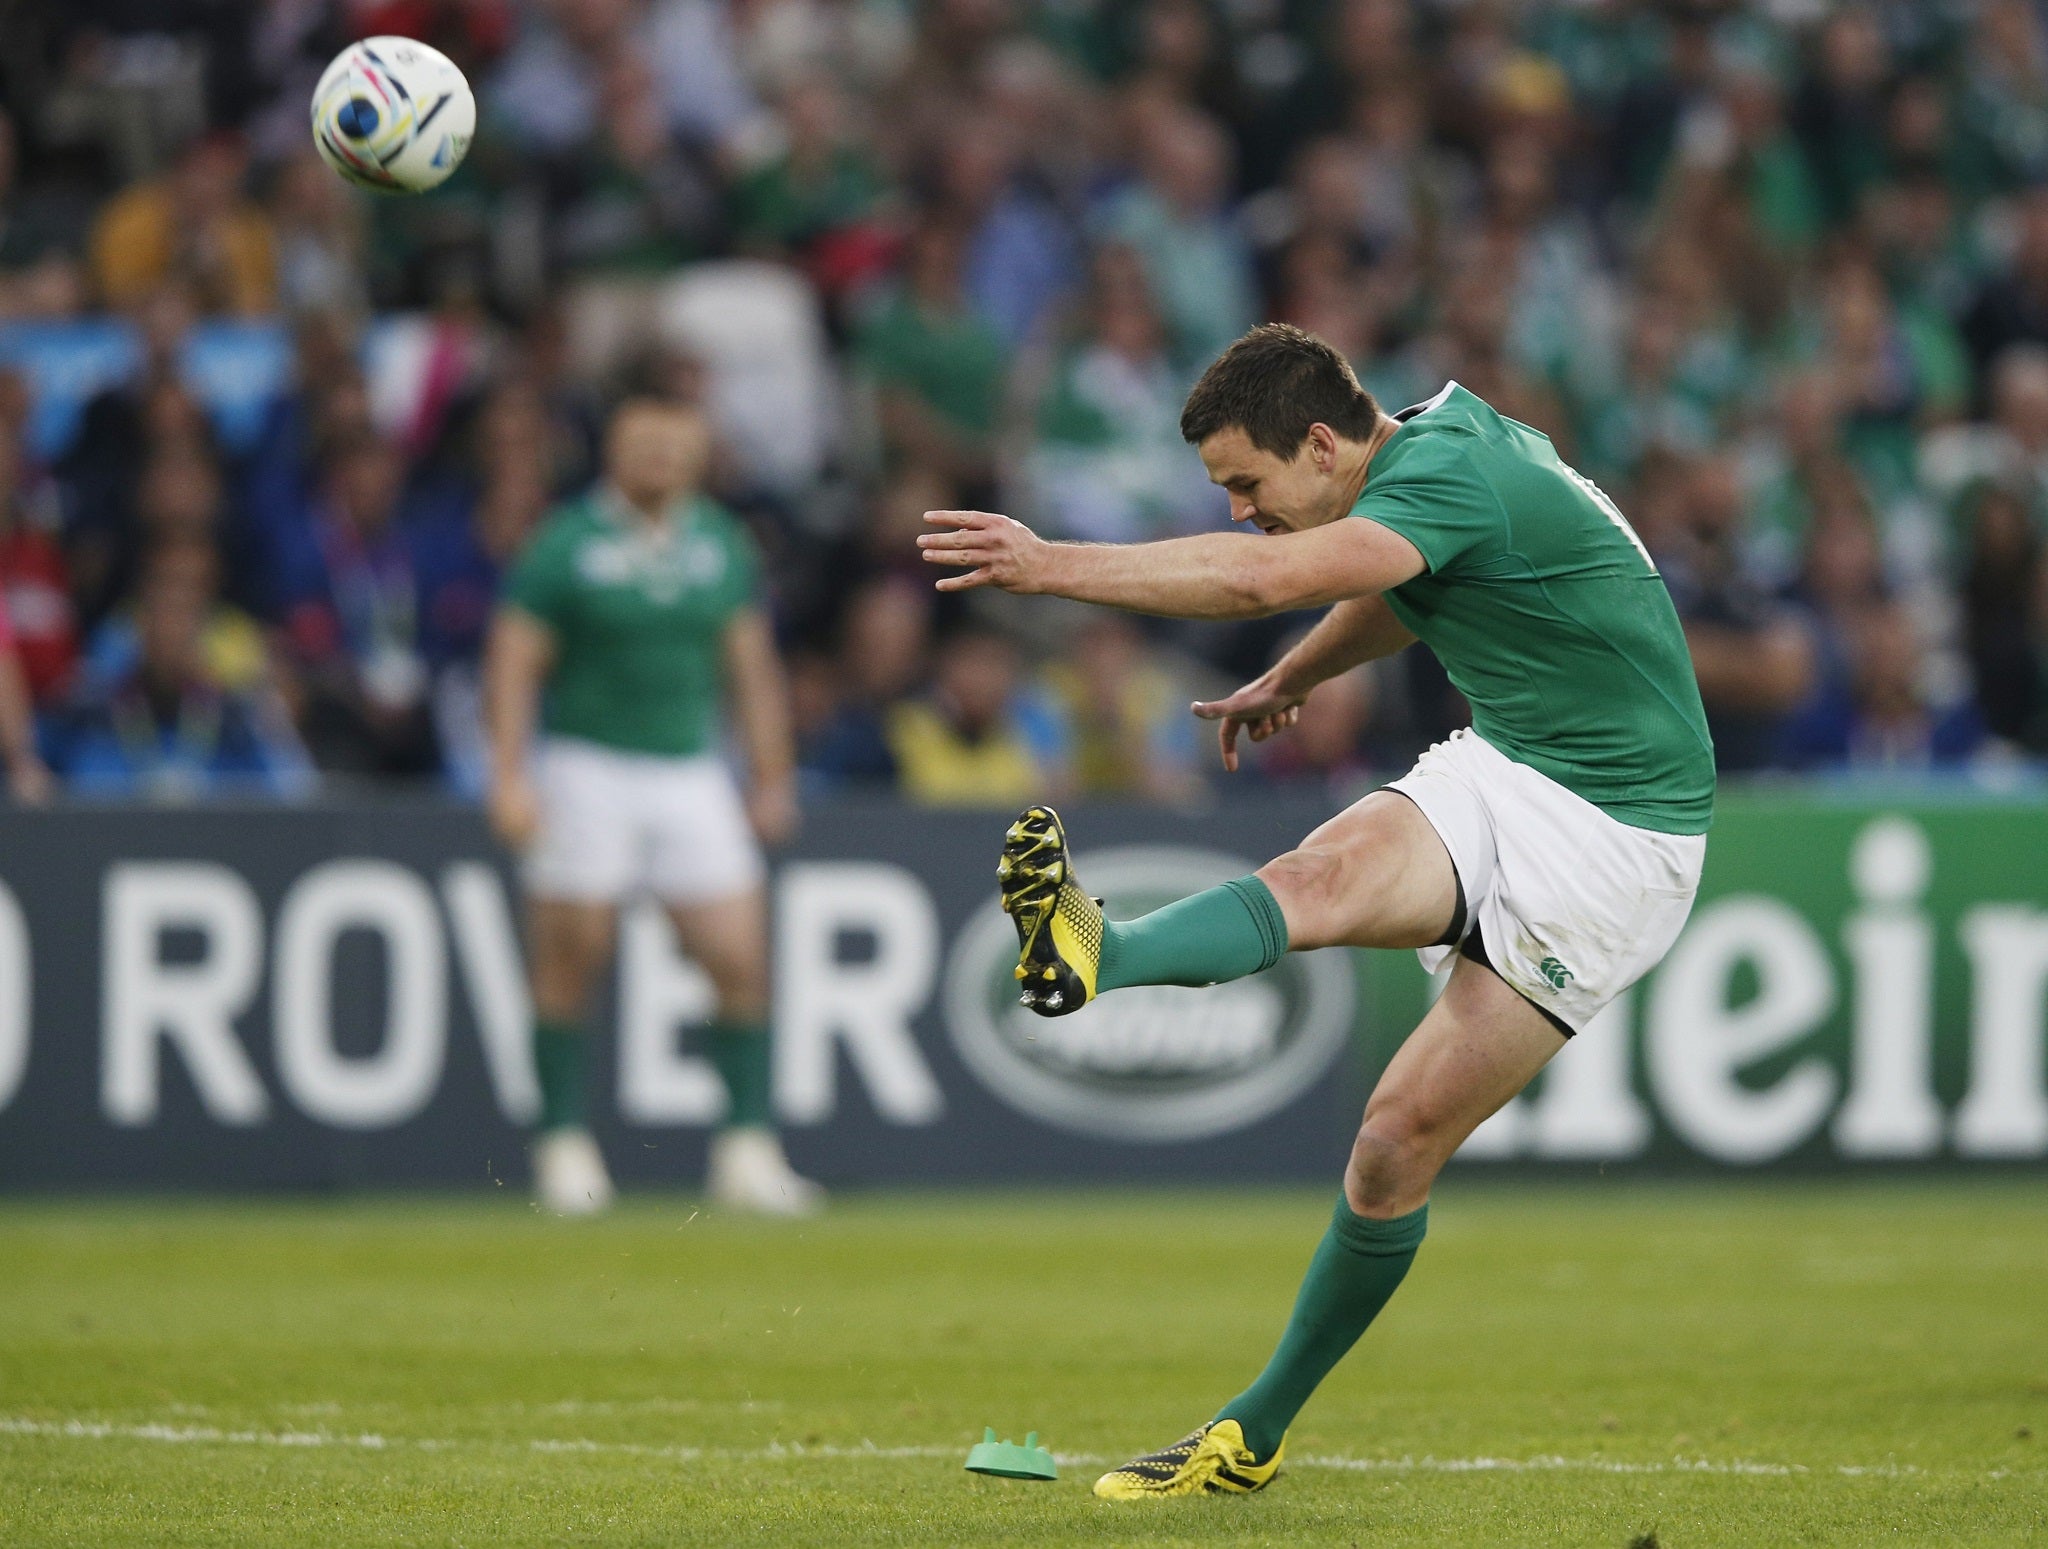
(1776, 275)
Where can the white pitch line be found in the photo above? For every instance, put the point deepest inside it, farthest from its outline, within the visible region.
(370, 1441)
(1555, 1464)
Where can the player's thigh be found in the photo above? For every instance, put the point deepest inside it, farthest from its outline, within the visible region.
(728, 939)
(568, 946)
(707, 869)
(1479, 1045)
(589, 843)
(701, 848)
(1375, 875)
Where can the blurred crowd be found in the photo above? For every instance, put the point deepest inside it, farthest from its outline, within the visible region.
(1776, 275)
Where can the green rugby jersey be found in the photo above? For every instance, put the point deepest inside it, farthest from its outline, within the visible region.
(1546, 611)
(638, 615)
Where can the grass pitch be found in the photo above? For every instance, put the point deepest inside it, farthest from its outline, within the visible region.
(1600, 1366)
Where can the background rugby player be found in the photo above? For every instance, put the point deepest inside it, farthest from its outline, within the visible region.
(630, 624)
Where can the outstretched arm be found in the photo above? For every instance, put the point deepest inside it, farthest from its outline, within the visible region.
(1210, 576)
(1354, 632)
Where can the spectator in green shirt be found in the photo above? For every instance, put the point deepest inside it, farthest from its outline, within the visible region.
(1178, 219)
(1109, 464)
(818, 197)
(938, 371)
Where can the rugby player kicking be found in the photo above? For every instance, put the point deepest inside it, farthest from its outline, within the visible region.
(1550, 852)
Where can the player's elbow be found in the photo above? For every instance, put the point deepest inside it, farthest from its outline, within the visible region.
(1263, 588)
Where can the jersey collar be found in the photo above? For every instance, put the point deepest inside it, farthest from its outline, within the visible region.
(1437, 402)
(1402, 420)
(612, 509)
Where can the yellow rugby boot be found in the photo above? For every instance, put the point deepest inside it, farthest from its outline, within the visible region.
(1059, 927)
(1212, 1459)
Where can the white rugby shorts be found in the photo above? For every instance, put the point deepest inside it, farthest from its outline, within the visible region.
(614, 824)
(1571, 906)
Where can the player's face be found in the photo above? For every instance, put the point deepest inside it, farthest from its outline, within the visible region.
(1273, 493)
(655, 454)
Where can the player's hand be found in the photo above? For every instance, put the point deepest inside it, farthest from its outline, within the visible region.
(1260, 709)
(772, 810)
(514, 811)
(993, 550)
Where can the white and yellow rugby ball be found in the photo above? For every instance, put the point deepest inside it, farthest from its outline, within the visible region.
(393, 115)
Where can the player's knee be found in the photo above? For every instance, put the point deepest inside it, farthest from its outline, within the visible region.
(744, 1006)
(555, 1000)
(1308, 886)
(742, 991)
(1393, 1162)
(563, 978)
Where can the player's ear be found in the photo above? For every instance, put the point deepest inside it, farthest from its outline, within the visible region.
(1322, 447)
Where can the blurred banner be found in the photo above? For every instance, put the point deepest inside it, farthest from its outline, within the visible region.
(332, 997)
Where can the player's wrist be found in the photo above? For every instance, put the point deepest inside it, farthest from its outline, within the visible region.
(1289, 680)
(1050, 567)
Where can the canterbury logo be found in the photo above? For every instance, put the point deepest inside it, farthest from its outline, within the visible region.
(1555, 972)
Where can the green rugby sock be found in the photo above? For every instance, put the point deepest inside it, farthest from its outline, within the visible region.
(558, 1062)
(741, 1051)
(1224, 933)
(1356, 1267)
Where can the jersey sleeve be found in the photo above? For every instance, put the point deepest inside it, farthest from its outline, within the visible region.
(540, 580)
(1436, 499)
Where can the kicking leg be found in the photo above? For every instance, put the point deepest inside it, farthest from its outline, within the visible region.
(1479, 1045)
(1376, 875)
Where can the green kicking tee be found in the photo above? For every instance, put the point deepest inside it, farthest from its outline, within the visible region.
(638, 613)
(1546, 611)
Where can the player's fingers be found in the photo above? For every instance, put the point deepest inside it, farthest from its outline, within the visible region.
(961, 583)
(966, 554)
(1271, 725)
(951, 539)
(1226, 737)
(957, 518)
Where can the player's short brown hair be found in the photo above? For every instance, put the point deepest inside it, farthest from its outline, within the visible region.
(1273, 384)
